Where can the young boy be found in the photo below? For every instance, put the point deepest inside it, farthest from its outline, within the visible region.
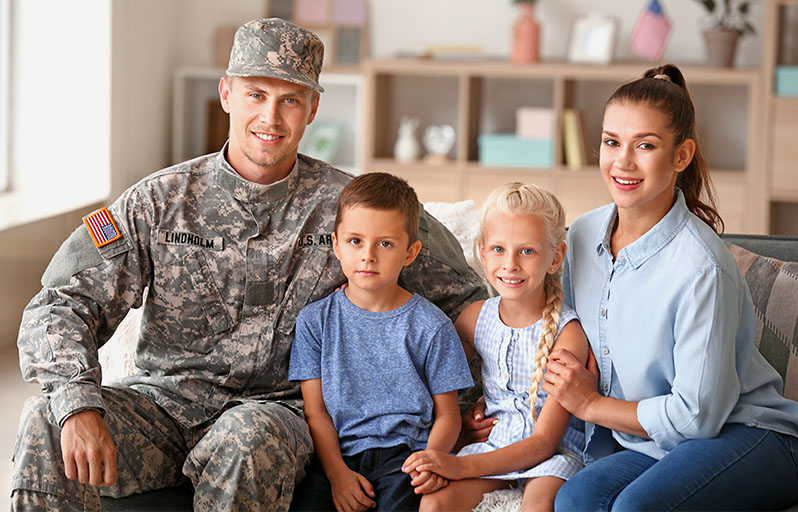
(380, 367)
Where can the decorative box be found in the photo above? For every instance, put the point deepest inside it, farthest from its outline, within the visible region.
(534, 123)
(786, 82)
(506, 149)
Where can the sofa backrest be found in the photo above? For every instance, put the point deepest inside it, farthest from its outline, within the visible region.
(770, 267)
(784, 248)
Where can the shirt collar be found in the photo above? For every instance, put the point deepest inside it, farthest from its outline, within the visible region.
(249, 191)
(651, 242)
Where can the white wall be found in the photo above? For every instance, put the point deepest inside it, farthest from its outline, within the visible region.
(199, 19)
(144, 39)
(413, 25)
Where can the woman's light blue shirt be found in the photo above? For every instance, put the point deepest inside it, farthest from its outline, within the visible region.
(671, 324)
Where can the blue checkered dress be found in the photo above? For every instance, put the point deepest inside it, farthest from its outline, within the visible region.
(507, 356)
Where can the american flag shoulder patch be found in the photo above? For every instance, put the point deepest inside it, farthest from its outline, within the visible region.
(102, 227)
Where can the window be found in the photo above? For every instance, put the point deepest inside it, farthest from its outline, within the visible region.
(57, 143)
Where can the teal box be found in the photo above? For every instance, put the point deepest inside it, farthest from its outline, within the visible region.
(787, 80)
(505, 149)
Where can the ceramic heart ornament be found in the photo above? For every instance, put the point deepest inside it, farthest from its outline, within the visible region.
(438, 139)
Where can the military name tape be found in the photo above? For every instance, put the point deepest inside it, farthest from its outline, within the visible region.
(185, 238)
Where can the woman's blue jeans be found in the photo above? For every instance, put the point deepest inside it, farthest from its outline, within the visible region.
(744, 468)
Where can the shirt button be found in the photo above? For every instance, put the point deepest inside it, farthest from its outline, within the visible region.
(606, 351)
(604, 313)
(606, 387)
(505, 375)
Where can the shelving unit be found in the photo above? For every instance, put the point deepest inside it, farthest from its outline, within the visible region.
(781, 112)
(196, 99)
(481, 97)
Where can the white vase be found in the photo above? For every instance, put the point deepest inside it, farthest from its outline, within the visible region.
(406, 148)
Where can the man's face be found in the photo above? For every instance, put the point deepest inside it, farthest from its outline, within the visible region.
(267, 120)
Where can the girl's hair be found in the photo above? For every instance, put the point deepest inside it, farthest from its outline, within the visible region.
(525, 199)
(664, 88)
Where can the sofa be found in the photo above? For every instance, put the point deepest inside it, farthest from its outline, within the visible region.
(769, 263)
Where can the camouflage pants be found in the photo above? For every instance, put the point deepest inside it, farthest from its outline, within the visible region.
(248, 458)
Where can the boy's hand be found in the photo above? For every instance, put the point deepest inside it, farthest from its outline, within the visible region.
(427, 482)
(351, 491)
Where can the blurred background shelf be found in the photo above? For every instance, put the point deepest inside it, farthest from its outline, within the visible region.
(482, 97)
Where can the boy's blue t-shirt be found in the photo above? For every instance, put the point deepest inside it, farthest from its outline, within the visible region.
(378, 370)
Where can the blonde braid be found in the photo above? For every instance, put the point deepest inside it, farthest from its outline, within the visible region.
(550, 320)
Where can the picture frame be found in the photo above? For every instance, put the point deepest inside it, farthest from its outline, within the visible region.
(322, 140)
(592, 39)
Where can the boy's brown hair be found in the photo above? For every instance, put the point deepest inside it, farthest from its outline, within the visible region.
(382, 191)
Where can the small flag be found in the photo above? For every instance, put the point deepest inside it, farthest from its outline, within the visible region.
(651, 33)
(102, 228)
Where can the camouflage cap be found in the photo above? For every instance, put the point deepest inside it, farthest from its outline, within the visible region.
(276, 48)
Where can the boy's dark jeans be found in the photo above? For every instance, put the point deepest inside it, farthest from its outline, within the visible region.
(381, 466)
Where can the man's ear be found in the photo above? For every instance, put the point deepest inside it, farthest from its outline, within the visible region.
(224, 93)
(412, 252)
(314, 102)
(684, 155)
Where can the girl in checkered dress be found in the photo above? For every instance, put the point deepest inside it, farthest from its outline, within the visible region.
(536, 444)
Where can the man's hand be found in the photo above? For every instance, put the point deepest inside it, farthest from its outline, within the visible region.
(88, 450)
(351, 491)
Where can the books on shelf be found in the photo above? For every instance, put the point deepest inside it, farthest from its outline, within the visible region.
(573, 126)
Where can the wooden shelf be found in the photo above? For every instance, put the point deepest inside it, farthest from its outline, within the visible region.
(616, 73)
(478, 97)
(781, 127)
(784, 195)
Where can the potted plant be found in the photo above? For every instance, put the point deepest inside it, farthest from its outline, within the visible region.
(526, 34)
(729, 21)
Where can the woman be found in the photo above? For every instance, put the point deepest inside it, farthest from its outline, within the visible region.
(688, 414)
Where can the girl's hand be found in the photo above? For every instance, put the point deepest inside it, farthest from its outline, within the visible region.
(441, 463)
(427, 482)
(570, 383)
(476, 427)
(351, 491)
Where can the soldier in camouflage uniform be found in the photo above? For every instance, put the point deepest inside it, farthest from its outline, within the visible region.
(222, 251)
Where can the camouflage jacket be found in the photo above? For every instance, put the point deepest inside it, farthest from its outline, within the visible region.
(227, 264)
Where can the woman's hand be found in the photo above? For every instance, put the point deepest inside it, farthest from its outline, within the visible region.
(570, 383)
(441, 463)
